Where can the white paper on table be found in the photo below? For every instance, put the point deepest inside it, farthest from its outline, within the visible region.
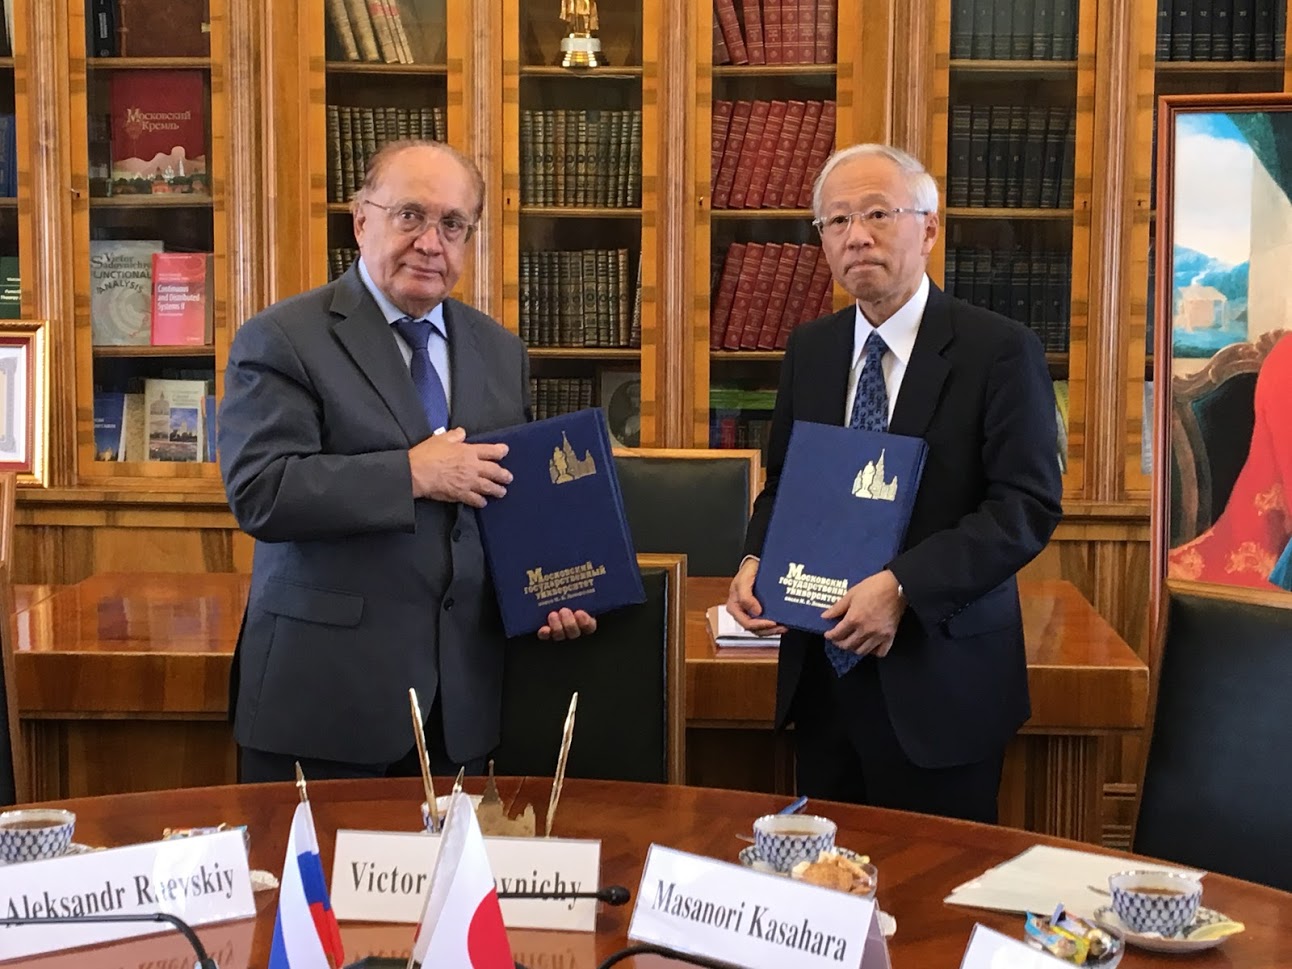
(727, 632)
(1044, 876)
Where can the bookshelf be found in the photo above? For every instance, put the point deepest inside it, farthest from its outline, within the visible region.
(12, 109)
(579, 208)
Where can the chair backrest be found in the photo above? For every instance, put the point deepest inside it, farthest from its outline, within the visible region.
(1212, 416)
(693, 501)
(630, 676)
(1218, 779)
(13, 785)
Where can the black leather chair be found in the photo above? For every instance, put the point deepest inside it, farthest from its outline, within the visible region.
(695, 502)
(1217, 789)
(630, 677)
(12, 785)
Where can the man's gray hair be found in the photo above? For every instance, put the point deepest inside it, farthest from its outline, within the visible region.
(923, 189)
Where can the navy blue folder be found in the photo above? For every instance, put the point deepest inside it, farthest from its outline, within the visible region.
(559, 537)
(842, 507)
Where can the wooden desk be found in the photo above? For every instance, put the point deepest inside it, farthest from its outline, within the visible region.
(121, 664)
(1085, 681)
(919, 859)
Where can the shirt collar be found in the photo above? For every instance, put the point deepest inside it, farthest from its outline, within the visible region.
(393, 313)
(898, 331)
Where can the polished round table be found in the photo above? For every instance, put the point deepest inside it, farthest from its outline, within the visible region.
(920, 859)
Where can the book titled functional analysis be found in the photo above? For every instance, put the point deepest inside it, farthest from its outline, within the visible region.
(842, 507)
(559, 536)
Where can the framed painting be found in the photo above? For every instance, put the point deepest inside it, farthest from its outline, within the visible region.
(1223, 353)
(23, 403)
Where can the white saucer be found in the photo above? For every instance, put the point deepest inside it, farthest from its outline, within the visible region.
(72, 849)
(749, 858)
(1180, 942)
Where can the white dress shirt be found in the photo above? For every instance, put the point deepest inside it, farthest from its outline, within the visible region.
(898, 331)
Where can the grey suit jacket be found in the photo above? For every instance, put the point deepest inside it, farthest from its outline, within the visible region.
(358, 591)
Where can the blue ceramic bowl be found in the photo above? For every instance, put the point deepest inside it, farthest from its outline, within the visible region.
(783, 840)
(33, 833)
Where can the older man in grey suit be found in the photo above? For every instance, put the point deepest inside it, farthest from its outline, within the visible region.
(343, 447)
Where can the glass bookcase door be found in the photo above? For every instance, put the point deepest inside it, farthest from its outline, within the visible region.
(11, 307)
(1013, 149)
(579, 224)
(773, 115)
(151, 335)
(387, 79)
(1197, 48)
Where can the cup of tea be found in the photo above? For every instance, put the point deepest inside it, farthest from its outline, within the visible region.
(1155, 901)
(783, 840)
(30, 834)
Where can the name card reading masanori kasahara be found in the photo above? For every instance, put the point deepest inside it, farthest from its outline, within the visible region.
(748, 918)
(989, 949)
(383, 876)
(201, 880)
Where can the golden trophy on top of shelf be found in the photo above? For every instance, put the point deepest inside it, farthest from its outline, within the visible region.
(579, 48)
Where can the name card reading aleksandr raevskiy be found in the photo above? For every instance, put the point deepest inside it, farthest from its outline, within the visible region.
(751, 919)
(202, 879)
(383, 876)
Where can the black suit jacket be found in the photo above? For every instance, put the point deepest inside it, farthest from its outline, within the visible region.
(358, 591)
(978, 391)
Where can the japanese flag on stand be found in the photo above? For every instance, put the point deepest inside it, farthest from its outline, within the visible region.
(462, 922)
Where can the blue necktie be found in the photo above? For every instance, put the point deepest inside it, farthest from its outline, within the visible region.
(869, 413)
(417, 333)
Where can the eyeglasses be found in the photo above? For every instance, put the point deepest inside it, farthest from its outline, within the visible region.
(413, 221)
(875, 220)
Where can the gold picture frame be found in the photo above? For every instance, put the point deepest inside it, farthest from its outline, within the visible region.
(24, 400)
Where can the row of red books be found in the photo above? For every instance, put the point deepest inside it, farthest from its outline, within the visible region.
(765, 290)
(774, 32)
(766, 154)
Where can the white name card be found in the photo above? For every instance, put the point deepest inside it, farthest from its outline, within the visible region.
(748, 918)
(383, 876)
(989, 949)
(201, 880)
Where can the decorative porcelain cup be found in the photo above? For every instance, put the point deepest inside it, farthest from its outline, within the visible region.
(29, 834)
(783, 840)
(1155, 901)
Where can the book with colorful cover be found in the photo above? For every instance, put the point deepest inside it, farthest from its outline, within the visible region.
(173, 412)
(842, 507)
(182, 300)
(121, 287)
(159, 133)
(109, 426)
(559, 537)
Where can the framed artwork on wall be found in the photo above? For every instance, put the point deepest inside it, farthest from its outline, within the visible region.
(1223, 358)
(23, 429)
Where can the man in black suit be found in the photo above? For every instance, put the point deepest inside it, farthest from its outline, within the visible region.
(938, 677)
(343, 449)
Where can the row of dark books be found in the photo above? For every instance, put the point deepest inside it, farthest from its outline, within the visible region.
(1032, 287)
(8, 156)
(774, 31)
(1014, 30)
(157, 28)
(740, 417)
(766, 154)
(1011, 156)
(577, 298)
(339, 259)
(765, 290)
(355, 134)
(6, 28)
(1221, 30)
(554, 396)
(581, 158)
(372, 30)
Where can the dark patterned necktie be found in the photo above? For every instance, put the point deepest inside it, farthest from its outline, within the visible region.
(417, 333)
(870, 413)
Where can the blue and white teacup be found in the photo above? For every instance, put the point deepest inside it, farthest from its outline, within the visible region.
(783, 840)
(1155, 901)
(33, 833)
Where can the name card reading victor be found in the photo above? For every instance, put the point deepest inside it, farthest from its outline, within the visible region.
(752, 919)
(989, 949)
(203, 879)
(383, 876)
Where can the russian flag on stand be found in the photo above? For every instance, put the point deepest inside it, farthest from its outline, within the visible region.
(462, 923)
(306, 935)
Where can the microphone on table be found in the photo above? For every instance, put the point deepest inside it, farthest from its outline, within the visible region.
(662, 950)
(611, 895)
(204, 961)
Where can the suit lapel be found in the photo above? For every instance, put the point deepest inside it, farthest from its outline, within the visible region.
(927, 370)
(836, 361)
(366, 337)
(467, 364)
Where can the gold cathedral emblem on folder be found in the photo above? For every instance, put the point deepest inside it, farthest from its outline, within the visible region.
(566, 466)
(870, 483)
